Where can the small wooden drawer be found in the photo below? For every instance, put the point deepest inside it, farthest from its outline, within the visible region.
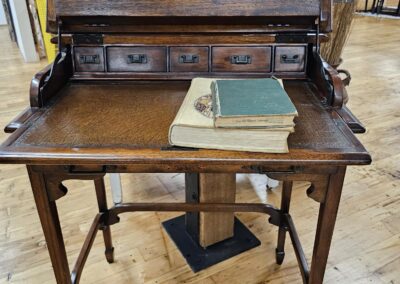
(137, 59)
(188, 59)
(290, 58)
(241, 59)
(89, 59)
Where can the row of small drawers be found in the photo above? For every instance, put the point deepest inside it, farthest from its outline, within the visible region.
(190, 59)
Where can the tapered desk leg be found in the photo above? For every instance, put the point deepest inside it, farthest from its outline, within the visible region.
(102, 203)
(285, 204)
(326, 223)
(51, 227)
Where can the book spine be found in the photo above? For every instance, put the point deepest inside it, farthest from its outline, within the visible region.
(215, 100)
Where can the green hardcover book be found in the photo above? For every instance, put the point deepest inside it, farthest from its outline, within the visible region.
(251, 103)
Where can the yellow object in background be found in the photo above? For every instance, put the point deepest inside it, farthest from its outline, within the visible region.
(50, 48)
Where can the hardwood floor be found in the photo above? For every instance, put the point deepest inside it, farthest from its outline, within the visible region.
(366, 245)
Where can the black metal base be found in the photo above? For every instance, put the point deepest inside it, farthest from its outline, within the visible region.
(199, 258)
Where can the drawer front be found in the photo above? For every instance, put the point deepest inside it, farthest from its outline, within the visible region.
(89, 59)
(241, 59)
(290, 58)
(137, 59)
(188, 59)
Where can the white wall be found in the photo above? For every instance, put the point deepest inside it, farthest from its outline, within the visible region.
(3, 20)
(23, 30)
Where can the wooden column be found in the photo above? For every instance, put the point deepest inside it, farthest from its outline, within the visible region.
(216, 188)
(210, 228)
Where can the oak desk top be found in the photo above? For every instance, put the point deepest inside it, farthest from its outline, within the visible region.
(127, 123)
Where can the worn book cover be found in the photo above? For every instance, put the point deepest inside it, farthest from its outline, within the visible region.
(251, 103)
(194, 127)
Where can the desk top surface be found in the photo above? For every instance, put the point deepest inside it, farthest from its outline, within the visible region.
(107, 123)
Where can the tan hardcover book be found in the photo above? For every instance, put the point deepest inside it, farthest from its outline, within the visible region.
(193, 126)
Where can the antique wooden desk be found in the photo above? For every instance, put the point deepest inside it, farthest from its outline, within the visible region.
(123, 69)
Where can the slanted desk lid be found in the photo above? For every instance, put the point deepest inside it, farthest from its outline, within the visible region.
(75, 10)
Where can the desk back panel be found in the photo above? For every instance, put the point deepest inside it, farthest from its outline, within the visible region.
(249, 38)
(188, 8)
(108, 11)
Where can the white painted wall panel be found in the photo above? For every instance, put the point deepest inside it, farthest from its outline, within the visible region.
(23, 30)
(3, 20)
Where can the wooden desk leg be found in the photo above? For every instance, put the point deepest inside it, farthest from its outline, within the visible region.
(326, 223)
(51, 227)
(102, 203)
(285, 204)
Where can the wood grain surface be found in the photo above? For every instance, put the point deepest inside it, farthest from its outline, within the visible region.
(152, 8)
(218, 226)
(259, 59)
(130, 121)
(80, 66)
(296, 12)
(109, 115)
(177, 64)
(155, 59)
(296, 53)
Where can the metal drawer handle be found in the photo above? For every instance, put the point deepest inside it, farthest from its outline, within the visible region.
(240, 59)
(189, 58)
(89, 59)
(137, 58)
(290, 59)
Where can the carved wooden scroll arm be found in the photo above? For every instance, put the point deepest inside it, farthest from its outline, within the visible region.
(37, 83)
(339, 96)
(332, 90)
(37, 88)
(346, 80)
(44, 85)
(328, 81)
(51, 79)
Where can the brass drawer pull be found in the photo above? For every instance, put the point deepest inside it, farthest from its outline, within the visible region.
(290, 59)
(240, 59)
(89, 59)
(189, 58)
(137, 58)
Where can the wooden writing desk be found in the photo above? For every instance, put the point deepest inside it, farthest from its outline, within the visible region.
(88, 118)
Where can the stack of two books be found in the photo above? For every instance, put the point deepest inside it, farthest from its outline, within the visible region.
(253, 115)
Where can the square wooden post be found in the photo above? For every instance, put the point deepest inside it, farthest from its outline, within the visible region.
(217, 226)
